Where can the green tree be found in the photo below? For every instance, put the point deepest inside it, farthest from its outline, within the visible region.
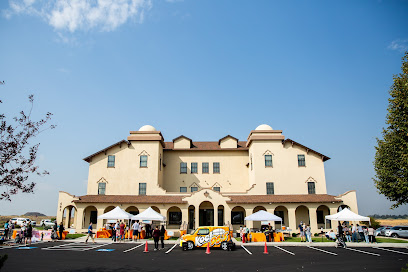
(391, 158)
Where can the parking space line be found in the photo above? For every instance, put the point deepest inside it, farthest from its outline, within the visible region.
(328, 252)
(6, 247)
(285, 250)
(168, 251)
(366, 252)
(249, 252)
(391, 250)
(130, 249)
(97, 246)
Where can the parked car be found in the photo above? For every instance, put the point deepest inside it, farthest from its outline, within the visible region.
(381, 230)
(397, 231)
(47, 223)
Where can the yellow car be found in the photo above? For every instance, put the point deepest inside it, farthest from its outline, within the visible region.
(215, 236)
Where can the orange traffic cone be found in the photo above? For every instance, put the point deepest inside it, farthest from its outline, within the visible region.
(146, 249)
(265, 249)
(208, 249)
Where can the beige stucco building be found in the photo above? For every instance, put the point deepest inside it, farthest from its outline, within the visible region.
(206, 183)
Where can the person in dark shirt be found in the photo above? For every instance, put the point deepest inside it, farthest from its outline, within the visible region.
(162, 233)
(156, 236)
(61, 230)
(29, 234)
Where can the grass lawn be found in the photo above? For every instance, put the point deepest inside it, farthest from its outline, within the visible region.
(389, 240)
(74, 236)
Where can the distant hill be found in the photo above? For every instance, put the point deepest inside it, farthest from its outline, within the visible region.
(34, 214)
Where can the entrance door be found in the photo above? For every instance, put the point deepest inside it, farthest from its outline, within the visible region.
(94, 217)
(191, 222)
(206, 217)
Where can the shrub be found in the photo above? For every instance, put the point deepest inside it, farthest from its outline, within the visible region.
(316, 234)
(295, 234)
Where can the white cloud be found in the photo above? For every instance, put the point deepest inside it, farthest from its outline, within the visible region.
(400, 45)
(81, 15)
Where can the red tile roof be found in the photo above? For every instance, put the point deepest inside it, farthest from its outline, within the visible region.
(130, 199)
(318, 198)
(207, 146)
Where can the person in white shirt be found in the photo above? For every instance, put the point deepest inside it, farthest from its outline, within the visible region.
(140, 229)
(135, 228)
(354, 237)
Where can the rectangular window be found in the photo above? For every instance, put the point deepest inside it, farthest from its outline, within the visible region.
(174, 218)
(193, 168)
(142, 188)
(268, 160)
(217, 189)
(143, 161)
(111, 161)
(194, 189)
(301, 160)
(320, 217)
(205, 168)
(216, 167)
(311, 188)
(183, 189)
(270, 190)
(101, 188)
(183, 168)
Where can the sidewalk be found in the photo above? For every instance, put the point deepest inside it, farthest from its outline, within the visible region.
(109, 240)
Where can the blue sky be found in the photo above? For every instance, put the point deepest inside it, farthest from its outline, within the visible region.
(318, 70)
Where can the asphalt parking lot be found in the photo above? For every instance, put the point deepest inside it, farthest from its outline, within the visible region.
(63, 256)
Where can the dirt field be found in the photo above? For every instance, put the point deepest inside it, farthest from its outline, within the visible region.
(393, 222)
(38, 219)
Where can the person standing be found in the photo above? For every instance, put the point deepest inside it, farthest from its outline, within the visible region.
(29, 233)
(61, 230)
(371, 234)
(162, 233)
(148, 230)
(140, 230)
(135, 229)
(90, 234)
(353, 233)
(360, 233)
(6, 229)
(113, 232)
(347, 232)
(122, 231)
(308, 234)
(156, 236)
(302, 232)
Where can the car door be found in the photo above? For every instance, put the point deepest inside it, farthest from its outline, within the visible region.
(203, 236)
(404, 232)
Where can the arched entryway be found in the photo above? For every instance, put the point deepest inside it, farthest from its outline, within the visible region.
(69, 216)
(321, 213)
(191, 217)
(107, 209)
(132, 210)
(206, 214)
(237, 217)
(90, 215)
(282, 212)
(220, 213)
(174, 217)
(257, 224)
(302, 215)
(156, 209)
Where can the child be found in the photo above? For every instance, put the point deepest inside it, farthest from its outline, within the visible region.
(42, 236)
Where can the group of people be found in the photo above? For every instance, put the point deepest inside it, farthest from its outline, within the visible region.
(120, 228)
(25, 235)
(305, 232)
(356, 233)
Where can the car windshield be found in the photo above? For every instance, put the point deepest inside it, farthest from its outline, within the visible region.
(193, 231)
(395, 228)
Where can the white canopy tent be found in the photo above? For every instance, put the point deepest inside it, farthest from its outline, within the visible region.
(347, 215)
(149, 214)
(116, 213)
(263, 216)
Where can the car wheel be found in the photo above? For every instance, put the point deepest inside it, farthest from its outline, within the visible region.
(394, 235)
(190, 245)
(224, 246)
